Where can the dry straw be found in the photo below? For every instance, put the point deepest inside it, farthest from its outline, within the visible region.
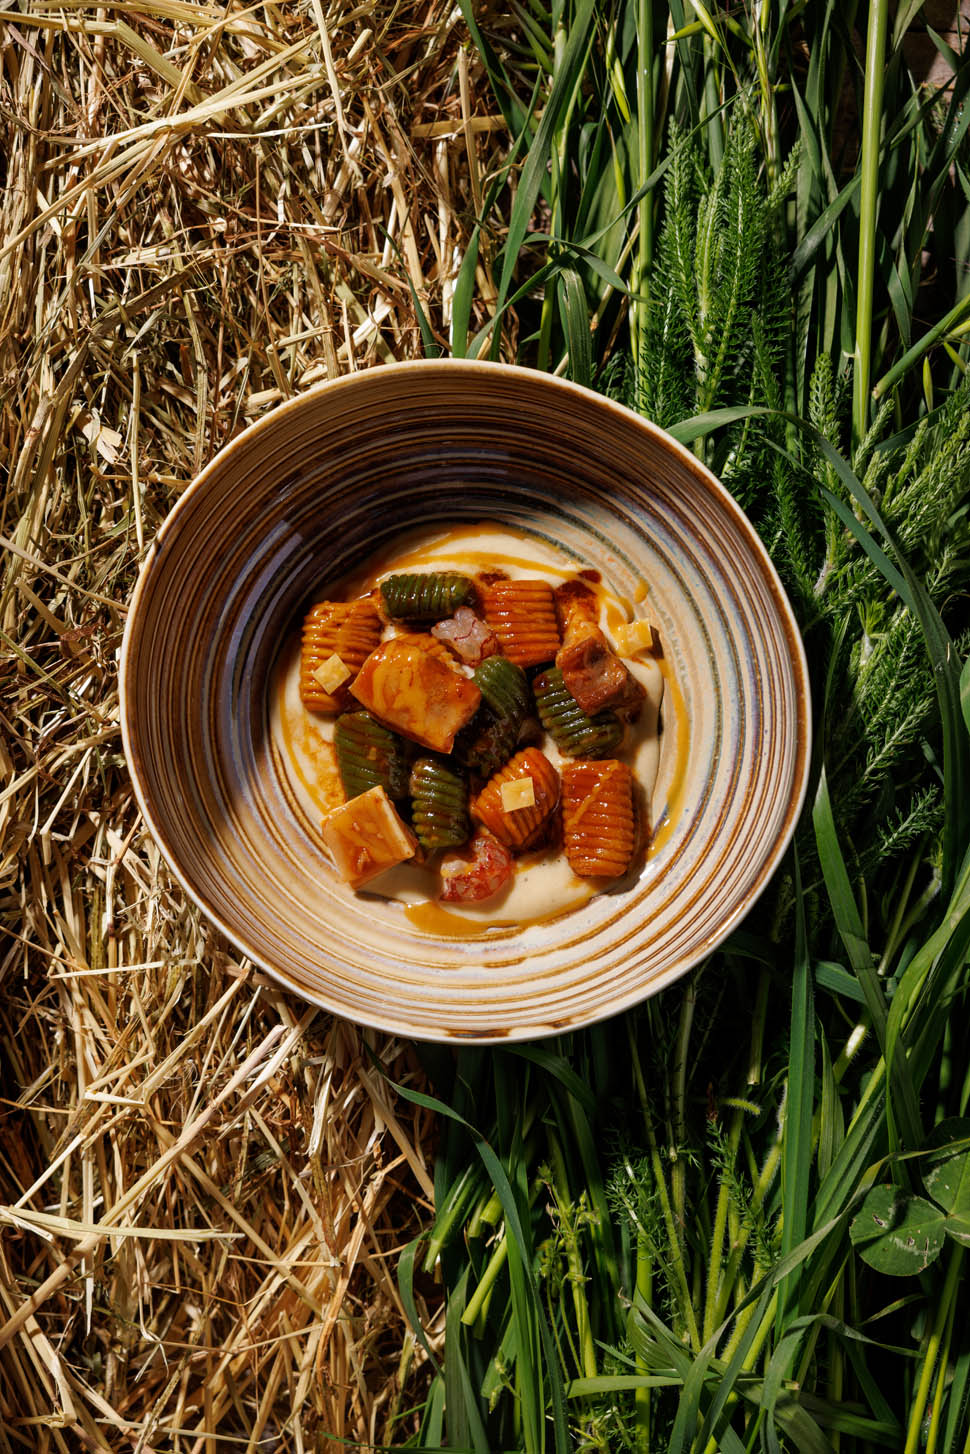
(203, 1183)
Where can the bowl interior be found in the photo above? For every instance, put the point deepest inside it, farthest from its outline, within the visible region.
(312, 491)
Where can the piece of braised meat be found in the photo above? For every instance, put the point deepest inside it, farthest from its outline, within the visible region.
(592, 671)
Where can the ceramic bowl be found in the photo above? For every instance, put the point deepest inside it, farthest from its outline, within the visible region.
(311, 491)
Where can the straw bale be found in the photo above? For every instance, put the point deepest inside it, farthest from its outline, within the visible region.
(203, 1182)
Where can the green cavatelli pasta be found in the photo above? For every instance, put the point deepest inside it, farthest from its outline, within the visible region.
(504, 687)
(491, 738)
(575, 733)
(431, 597)
(439, 804)
(369, 755)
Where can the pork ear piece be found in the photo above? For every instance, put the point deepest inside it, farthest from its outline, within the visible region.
(593, 673)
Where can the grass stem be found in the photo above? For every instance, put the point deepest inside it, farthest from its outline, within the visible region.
(678, 1171)
(645, 154)
(678, 1267)
(716, 1253)
(940, 1320)
(868, 208)
(644, 1286)
(486, 1282)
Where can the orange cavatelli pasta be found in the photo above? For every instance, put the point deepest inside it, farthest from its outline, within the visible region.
(350, 630)
(598, 817)
(518, 827)
(523, 616)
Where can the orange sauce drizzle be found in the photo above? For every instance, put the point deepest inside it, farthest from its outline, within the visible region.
(675, 796)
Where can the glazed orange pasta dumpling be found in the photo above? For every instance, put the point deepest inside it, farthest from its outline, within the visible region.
(338, 636)
(598, 817)
(517, 802)
(523, 616)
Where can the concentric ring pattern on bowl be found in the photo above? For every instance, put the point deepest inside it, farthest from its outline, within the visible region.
(311, 491)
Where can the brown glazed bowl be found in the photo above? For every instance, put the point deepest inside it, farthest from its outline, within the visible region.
(311, 491)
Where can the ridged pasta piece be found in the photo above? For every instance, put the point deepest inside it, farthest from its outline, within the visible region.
(439, 804)
(369, 755)
(574, 732)
(505, 687)
(490, 738)
(519, 827)
(523, 616)
(348, 629)
(598, 818)
(427, 596)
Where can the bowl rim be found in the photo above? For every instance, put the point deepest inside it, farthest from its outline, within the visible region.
(534, 378)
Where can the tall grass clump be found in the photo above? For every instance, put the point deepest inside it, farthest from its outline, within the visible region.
(735, 1218)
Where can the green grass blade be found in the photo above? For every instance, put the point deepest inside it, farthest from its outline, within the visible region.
(699, 425)
(779, 1366)
(799, 1426)
(574, 315)
(433, 1424)
(534, 171)
(958, 1396)
(831, 1118)
(856, 1153)
(849, 925)
(461, 304)
(525, 1293)
(538, 279)
(943, 660)
(796, 1152)
(529, 1311)
(463, 1417)
(848, 921)
(585, 252)
(807, 250)
(904, 18)
(868, 206)
(515, 114)
(728, 1378)
(558, 1067)
(405, 1285)
(833, 977)
(933, 974)
(617, 1383)
(922, 346)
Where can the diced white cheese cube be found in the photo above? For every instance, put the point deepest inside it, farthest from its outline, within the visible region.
(631, 637)
(518, 794)
(332, 673)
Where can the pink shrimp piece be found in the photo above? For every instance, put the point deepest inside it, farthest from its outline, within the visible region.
(467, 635)
(482, 870)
